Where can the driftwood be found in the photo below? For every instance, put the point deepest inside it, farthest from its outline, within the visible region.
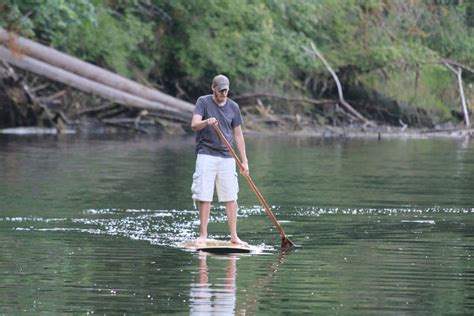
(316, 52)
(83, 84)
(54, 96)
(91, 72)
(91, 96)
(94, 110)
(23, 106)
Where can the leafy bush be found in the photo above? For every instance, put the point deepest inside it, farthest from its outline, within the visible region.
(182, 44)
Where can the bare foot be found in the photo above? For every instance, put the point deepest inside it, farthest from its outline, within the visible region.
(239, 242)
(201, 241)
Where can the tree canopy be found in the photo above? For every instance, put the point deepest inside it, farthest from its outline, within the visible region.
(393, 46)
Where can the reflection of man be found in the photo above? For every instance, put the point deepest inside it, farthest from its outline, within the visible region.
(214, 163)
(206, 299)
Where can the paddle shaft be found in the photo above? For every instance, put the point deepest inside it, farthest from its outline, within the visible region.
(252, 185)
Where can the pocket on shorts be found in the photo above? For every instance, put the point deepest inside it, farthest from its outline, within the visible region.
(236, 179)
(196, 185)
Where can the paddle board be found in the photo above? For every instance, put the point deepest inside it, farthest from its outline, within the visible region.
(216, 246)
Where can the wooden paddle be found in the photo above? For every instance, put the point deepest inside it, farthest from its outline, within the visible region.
(285, 242)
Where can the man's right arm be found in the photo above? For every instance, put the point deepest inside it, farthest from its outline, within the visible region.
(197, 123)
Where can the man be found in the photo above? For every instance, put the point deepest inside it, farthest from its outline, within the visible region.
(215, 165)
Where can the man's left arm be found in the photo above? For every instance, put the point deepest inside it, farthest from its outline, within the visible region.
(240, 144)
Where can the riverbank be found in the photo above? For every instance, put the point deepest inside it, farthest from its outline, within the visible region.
(303, 126)
(378, 132)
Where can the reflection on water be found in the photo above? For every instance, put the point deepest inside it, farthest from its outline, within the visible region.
(214, 298)
(94, 226)
(219, 296)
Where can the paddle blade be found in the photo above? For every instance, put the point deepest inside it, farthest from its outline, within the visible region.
(286, 243)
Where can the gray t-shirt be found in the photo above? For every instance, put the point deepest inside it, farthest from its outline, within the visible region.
(228, 116)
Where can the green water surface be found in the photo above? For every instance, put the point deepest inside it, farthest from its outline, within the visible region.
(94, 225)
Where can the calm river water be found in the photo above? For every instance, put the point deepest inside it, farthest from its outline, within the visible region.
(93, 226)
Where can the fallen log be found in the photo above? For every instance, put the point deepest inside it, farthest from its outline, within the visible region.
(85, 85)
(90, 71)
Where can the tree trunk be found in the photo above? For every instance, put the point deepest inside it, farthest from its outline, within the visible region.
(85, 85)
(463, 99)
(92, 72)
(458, 72)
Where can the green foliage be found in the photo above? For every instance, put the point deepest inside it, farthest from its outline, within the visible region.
(207, 37)
(261, 44)
(48, 20)
(113, 43)
(446, 32)
(430, 87)
(85, 28)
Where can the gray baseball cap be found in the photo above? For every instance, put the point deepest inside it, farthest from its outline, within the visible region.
(221, 82)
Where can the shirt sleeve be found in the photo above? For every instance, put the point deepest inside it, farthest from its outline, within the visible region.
(199, 108)
(237, 117)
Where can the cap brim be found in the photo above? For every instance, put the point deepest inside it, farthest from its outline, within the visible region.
(223, 87)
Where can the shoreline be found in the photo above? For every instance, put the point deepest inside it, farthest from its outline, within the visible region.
(382, 132)
(326, 132)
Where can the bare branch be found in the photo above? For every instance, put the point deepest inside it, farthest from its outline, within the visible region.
(457, 64)
(458, 73)
(316, 52)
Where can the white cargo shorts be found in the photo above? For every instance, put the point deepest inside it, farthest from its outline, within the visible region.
(218, 171)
